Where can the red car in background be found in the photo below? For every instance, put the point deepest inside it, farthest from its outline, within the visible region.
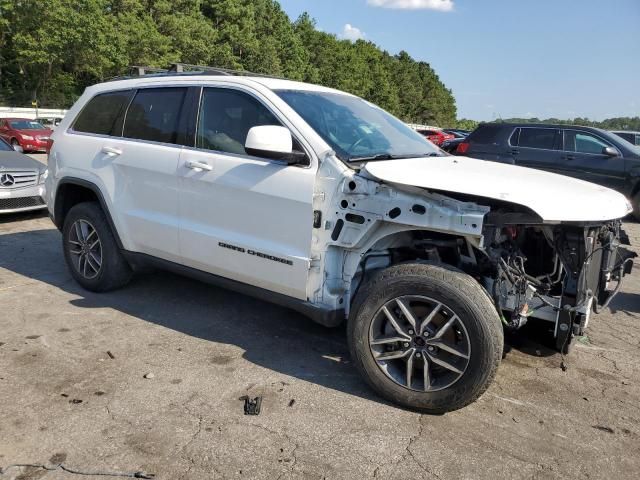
(436, 136)
(28, 134)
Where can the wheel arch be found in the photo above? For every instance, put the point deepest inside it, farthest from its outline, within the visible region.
(70, 191)
(389, 239)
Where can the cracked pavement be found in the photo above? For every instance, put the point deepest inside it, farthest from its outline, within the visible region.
(207, 347)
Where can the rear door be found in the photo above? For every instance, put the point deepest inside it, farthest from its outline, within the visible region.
(582, 157)
(133, 138)
(246, 218)
(536, 147)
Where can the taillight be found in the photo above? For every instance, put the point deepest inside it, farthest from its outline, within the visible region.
(462, 148)
(49, 145)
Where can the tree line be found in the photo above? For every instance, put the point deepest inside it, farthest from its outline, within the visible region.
(50, 50)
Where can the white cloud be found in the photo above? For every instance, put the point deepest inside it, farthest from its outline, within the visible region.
(349, 32)
(441, 5)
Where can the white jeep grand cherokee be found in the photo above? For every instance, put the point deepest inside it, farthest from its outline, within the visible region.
(320, 201)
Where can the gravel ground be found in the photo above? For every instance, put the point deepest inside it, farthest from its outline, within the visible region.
(73, 387)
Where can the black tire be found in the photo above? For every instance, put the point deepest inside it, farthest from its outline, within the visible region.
(636, 207)
(114, 271)
(458, 292)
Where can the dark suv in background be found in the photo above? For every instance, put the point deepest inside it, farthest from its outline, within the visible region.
(591, 154)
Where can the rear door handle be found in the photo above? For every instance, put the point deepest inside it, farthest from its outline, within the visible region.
(515, 151)
(199, 166)
(569, 157)
(111, 151)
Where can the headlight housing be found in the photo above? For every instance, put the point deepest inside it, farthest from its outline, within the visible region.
(27, 137)
(43, 175)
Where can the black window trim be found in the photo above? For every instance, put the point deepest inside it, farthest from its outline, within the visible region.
(558, 130)
(276, 113)
(70, 128)
(181, 114)
(604, 140)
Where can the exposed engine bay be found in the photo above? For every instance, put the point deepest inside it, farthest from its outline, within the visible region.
(556, 273)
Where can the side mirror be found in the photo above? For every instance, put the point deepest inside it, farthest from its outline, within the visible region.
(610, 152)
(274, 142)
(18, 148)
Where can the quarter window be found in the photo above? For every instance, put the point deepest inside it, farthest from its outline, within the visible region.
(154, 114)
(543, 138)
(225, 118)
(103, 114)
(583, 142)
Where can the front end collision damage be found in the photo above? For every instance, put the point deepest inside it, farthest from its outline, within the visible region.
(531, 269)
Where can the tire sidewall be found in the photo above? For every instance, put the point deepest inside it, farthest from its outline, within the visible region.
(478, 370)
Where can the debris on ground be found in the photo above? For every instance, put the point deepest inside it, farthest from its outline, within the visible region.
(291, 402)
(149, 375)
(251, 406)
(111, 355)
(604, 428)
(63, 467)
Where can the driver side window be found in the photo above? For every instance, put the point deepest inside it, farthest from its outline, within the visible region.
(225, 118)
(583, 142)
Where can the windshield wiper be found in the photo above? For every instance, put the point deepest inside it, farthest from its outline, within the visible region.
(388, 156)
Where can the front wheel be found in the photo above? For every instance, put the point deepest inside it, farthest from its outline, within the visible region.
(426, 337)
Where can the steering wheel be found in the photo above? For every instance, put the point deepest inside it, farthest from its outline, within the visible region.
(356, 143)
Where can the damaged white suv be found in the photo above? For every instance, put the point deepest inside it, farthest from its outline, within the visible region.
(320, 201)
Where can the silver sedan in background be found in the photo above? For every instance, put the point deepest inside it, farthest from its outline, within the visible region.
(21, 181)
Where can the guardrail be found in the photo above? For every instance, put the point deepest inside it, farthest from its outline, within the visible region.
(31, 112)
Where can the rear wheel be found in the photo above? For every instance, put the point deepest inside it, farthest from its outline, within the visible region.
(426, 337)
(91, 251)
(636, 207)
(15, 143)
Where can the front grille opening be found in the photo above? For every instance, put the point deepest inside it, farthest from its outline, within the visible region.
(20, 202)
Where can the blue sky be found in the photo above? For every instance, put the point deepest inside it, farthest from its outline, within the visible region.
(507, 58)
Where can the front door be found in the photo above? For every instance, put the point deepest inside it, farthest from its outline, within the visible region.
(245, 218)
(583, 157)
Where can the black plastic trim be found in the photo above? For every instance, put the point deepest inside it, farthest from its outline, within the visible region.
(57, 220)
(328, 318)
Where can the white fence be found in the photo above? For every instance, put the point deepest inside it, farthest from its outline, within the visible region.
(31, 113)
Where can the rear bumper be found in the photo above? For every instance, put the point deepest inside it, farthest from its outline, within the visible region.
(22, 199)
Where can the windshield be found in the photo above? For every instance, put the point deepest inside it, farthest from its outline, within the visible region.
(26, 125)
(356, 129)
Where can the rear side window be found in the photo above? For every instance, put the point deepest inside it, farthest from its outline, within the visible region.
(484, 134)
(544, 138)
(154, 114)
(103, 114)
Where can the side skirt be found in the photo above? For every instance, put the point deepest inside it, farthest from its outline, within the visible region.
(328, 318)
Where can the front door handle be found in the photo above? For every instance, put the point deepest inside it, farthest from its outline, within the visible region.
(199, 166)
(111, 151)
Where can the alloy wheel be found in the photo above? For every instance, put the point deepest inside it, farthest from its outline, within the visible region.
(85, 249)
(419, 343)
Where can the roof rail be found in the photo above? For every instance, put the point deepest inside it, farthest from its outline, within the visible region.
(178, 69)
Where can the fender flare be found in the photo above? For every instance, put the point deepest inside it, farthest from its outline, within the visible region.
(57, 214)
